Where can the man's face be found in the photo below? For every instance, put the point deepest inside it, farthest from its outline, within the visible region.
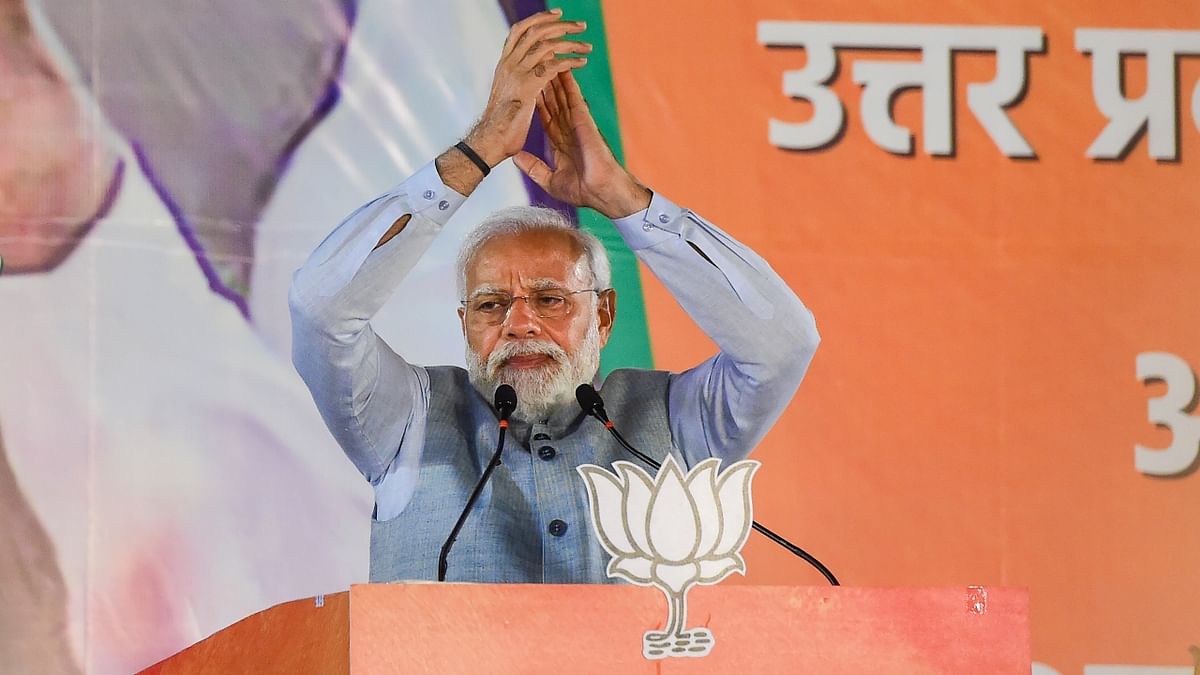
(544, 359)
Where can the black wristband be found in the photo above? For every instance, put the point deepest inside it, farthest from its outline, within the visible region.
(475, 159)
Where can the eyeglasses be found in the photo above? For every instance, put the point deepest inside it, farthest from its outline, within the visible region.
(550, 303)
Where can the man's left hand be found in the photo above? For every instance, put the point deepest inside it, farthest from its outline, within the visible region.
(585, 171)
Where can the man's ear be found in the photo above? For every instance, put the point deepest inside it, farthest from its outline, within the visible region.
(462, 320)
(606, 307)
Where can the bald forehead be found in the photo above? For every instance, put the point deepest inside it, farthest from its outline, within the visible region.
(533, 255)
(544, 242)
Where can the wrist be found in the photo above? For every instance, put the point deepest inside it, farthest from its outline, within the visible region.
(488, 150)
(626, 200)
(484, 167)
(458, 172)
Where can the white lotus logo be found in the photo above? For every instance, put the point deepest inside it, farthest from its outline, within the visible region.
(672, 532)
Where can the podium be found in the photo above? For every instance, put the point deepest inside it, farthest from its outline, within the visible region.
(511, 628)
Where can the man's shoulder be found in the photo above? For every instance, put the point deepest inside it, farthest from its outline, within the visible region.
(621, 375)
(453, 376)
(638, 399)
(449, 371)
(633, 383)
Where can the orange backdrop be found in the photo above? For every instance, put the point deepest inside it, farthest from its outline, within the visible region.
(971, 414)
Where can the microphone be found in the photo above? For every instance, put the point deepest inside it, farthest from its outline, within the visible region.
(505, 402)
(589, 399)
(591, 403)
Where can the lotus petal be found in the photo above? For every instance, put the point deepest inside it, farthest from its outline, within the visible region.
(702, 486)
(676, 577)
(633, 569)
(712, 571)
(674, 524)
(606, 495)
(733, 491)
(638, 491)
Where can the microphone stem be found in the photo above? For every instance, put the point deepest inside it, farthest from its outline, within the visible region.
(796, 550)
(762, 529)
(443, 562)
(625, 444)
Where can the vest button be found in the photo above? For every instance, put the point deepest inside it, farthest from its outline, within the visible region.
(546, 452)
(541, 437)
(558, 528)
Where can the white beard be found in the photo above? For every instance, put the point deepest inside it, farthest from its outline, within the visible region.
(541, 390)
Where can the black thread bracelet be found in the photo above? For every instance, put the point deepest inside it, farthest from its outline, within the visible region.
(475, 159)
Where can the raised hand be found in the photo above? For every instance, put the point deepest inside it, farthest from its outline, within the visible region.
(529, 60)
(585, 172)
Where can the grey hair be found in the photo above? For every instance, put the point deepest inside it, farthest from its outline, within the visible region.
(520, 219)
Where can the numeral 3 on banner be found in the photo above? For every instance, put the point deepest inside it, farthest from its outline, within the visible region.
(1171, 410)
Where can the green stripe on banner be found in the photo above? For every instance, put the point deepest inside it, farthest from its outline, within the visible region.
(629, 346)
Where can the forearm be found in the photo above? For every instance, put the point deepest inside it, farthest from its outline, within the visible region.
(729, 290)
(766, 336)
(354, 271)
(366, 394)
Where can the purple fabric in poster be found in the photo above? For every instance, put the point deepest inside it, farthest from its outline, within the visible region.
(212, 106)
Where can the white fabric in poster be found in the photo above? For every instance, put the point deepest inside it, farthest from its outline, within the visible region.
(164, 441)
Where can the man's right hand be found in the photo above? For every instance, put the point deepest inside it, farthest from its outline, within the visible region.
(529, 61)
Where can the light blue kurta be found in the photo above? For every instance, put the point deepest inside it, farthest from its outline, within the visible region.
(417, 433)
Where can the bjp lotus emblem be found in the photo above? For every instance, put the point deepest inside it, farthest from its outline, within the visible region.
(672, 532)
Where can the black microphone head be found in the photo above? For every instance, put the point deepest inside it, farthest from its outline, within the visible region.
(589, 399)
(506, 400)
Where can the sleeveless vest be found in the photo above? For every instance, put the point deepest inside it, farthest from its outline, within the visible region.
(531, 523)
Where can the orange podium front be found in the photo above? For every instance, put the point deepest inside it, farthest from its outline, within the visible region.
(459, 628)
